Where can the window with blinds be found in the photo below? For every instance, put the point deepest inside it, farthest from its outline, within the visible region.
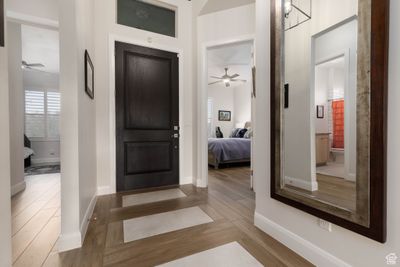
(42, 114)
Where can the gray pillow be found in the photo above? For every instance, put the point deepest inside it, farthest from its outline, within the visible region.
(234, 132)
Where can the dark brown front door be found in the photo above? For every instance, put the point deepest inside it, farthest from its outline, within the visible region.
(147, 117)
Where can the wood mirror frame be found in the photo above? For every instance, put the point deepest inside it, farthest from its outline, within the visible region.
(377, 69)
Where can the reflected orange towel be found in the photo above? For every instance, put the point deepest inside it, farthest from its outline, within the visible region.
(338, 123)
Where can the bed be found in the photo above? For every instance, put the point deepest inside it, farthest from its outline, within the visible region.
(229, 150)
(28, 152)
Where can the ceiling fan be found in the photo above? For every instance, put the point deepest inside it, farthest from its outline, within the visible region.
(26, 65)
(227, 79)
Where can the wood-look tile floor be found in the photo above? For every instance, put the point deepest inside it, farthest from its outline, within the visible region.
(335, 190)
(228, 202)
(36, 220)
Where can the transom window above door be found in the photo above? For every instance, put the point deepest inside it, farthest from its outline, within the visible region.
(152, 16)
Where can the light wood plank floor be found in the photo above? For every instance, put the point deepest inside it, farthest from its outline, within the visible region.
(335, 190)
(228, 201)
(36, 220)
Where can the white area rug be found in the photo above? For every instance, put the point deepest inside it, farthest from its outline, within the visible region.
(147, 226)
(229, 255)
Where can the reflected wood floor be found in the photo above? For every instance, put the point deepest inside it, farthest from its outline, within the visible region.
(36, 220)
(335, 190)
(228, 201)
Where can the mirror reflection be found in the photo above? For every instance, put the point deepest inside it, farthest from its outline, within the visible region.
(320, 114)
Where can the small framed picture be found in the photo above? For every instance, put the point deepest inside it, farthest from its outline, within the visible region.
(224, 115)
(320, 112)
(89, 75)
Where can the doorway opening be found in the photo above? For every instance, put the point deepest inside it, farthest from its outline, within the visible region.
(230, 108)
(33, 66)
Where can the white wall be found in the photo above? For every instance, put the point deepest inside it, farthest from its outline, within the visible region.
(105, 14)
(87, 114)
(45, 152)
(47, 9)
(223, 99)
(296, 229)
(5, 196)
(78, 136)
(236, 98)
(16, 95)
(242, 95)
(219, 5)
(227, 24)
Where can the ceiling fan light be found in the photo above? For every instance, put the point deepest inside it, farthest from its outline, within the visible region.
(226, 81)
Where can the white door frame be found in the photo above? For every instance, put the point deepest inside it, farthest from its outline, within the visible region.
(111, 55)
(202, 95)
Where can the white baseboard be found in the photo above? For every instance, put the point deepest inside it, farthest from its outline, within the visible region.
(309, 186)
(351, 177)
(103, 190)
(200, 183)
(15, 189)
(75, 240)
(304, 248)
(69, 242)
(45, 160)
(186, 180)
(88, 215)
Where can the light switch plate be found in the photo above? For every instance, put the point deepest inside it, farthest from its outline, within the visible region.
(325, 225)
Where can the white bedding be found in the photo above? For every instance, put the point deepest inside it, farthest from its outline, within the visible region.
(28, 152)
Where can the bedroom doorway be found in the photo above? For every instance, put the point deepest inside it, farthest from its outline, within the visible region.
(229, 96)
(35, 102)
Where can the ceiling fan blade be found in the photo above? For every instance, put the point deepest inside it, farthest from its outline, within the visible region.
(235, 80)
(35, 65)
(215, 77)
(234, 76)
(215, 82)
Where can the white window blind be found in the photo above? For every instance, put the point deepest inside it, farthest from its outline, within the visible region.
(42, 114)
(210, 117)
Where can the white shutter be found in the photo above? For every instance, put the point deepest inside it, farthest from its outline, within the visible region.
(34, 114)
(42, 114)
(53, 114)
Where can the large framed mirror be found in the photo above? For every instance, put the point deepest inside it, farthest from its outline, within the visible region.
(328, 110)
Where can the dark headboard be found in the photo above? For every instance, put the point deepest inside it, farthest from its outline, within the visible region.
(27, 142)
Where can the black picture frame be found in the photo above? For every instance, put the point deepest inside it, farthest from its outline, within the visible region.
(89, 75)
(320, 111)
(224, 115)
(2, 30)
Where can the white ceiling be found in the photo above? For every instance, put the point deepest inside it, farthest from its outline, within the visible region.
(337, 63)
(233, 54)
(41, 46)
(237, 57)
(219, 5)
